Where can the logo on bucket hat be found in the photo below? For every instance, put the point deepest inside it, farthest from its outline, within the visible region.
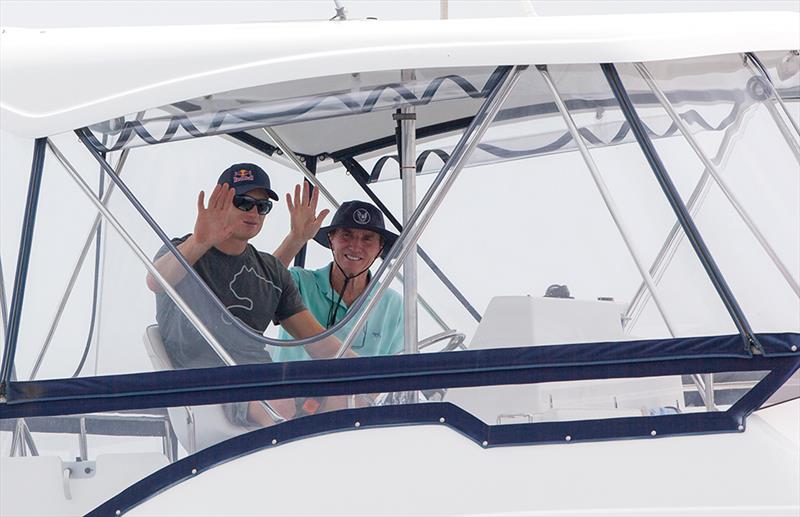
(244, 177)
(361, 216)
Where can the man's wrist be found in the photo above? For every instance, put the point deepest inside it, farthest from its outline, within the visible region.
(296, 240)
(195, 249)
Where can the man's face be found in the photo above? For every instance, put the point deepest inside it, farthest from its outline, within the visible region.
(353, 249)
(248, 224)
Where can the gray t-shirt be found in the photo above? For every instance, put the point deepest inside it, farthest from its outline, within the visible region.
(254, 286)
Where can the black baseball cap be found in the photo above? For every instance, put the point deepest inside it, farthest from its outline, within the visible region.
(244, 177)
(359, 215)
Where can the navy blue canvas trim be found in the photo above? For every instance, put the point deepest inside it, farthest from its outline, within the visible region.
(398, 373)
(23, 259)
(762, 391)
(439, 413)
(779, 343)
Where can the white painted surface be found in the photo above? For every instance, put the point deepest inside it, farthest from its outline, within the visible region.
(521, 321)
(785, 419)
(34, 485)
(55, 80)
(511, 321)
(196, 427)
(368, 472)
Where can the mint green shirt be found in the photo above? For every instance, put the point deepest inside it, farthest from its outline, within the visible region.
(382, 334)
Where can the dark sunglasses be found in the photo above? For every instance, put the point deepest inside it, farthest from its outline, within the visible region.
(246, 203)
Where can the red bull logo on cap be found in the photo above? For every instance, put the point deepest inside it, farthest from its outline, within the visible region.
(243, 175)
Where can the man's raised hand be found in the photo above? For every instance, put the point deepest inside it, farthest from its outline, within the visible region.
(214, 224)
(305, 222)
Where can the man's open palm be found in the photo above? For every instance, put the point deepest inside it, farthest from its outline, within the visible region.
(214, 223)
(305, 222)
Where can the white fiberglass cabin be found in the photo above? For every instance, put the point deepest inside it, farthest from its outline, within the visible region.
(599, 266)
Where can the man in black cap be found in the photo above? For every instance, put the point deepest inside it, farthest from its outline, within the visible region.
(254, 286)
(356, 236)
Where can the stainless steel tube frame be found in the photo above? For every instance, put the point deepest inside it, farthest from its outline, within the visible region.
(76, 271)
(715, 174)
(23, 262)
(612, 208)
(140, 254)
(148, 264)
(408, 174)
(3, 306)
(212, 298)
(300, 166)
(749, 340)
(83, 441)
(607, 198)
(439, 189)
(455, 337)
(755, 67)
(22, 440)
(756, 63)
(675, 235)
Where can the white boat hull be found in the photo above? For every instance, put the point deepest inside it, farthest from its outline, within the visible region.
(431, 470)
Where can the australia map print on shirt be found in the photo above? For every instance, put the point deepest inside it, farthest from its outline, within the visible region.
(247, 281)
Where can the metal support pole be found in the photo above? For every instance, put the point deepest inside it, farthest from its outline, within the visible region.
(311, 165)
(771, 94)
(192, 428)
(360, 176)
(3, 306)
(717, 176)
(439, 188)
(675, 236)
(28, 437)
(664, 180)
(407, 152)
(15, 439)
(212, 298)
(101, 290)
(407, 142)
(341, 12)
(607, 198)
(167, 444)
(22, 440)
(646, 275)
(87, 243)
(758, 65)
(145, 260)
(311, 178)
(23, 260)
(83, 442)
(19, 435)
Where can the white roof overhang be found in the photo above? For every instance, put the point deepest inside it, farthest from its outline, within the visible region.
(56, 80)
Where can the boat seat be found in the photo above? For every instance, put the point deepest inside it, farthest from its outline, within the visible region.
(196, 427)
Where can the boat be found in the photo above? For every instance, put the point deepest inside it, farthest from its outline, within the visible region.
(599, 257)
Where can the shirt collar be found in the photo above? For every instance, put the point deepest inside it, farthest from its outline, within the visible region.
(322, 277)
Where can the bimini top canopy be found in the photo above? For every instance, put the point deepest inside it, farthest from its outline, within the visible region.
(56, 80)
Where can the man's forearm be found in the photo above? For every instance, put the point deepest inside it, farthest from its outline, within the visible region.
(327, 348)
(172, 270)
(287, 250)
(303, 325)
